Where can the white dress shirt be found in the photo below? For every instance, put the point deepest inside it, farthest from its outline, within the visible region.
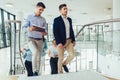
(53, 51)
(67, 26)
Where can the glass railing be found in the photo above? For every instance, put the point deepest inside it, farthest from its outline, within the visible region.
(106, 36)
(4, 28)
(15, 37)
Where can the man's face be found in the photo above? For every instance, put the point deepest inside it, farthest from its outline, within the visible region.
(39, 10)
(64, 11)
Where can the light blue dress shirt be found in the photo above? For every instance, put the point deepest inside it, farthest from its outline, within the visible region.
(33, 20)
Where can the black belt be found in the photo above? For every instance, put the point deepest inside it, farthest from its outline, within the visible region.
(54, 57)
(36, 38)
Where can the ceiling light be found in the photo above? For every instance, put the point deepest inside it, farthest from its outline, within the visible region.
(9, 5)
(107, 9)
(84, 13)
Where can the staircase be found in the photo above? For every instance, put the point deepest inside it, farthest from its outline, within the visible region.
(82, 75)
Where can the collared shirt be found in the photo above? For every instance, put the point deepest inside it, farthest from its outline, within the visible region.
(67, 25)
(33, 20)
(53, 51)
(28, 55)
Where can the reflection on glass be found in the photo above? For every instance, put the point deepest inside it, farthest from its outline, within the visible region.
(5, 29)
(1, 42)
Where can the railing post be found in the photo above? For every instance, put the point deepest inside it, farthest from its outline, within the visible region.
(14, 47)
(3, 28)
(97, 45)
(88, 33)
(76, 63)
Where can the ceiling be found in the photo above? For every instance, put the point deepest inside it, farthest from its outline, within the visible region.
(81, 11)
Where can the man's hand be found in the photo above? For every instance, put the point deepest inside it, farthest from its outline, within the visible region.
(74, 43)
(60, 45)
(44, 33)
(31, 28)
(21, 52)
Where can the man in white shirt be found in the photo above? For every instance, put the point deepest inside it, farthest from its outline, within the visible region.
(64, 37)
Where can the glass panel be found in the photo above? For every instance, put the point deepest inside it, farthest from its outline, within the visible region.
(105, 39)
(76, 30)
(87, 33)
(92, 33)
(6, 29)
(1, 41)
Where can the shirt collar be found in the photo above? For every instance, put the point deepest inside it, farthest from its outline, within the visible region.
(64, 17)
(35, 15)
(28, 49)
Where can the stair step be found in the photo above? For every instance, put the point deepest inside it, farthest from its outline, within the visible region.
(82, 75)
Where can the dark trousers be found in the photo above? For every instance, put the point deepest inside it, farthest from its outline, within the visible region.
(54, 65)
(28, 65)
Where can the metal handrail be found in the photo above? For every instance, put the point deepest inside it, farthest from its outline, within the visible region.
(17, 21)
(6, 11)
(98, 22)
(13, 21)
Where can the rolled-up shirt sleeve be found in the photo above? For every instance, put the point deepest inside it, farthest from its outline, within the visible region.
(26, 24)
(33, 20)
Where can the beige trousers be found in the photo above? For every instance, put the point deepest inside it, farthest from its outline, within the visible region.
(70, 49)
(36, 47)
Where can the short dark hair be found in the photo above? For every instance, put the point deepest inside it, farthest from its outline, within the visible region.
(61, 6)
(40, 4)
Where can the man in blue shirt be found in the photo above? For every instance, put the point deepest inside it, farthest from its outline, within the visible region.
(36, 37)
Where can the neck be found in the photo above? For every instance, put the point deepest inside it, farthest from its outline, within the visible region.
(37, 14)
(64, 15)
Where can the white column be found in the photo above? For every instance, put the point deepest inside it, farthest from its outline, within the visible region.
(116, 13)
(116, 26)
(113, 62)
(116, 8)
